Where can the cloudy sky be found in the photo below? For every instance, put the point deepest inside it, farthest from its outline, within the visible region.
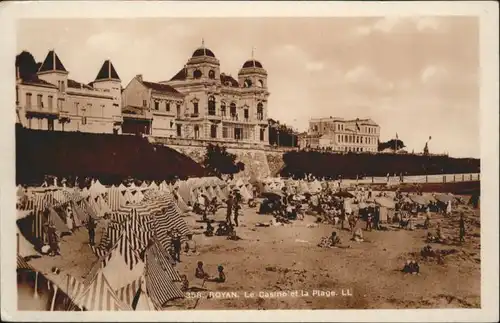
(417, 77)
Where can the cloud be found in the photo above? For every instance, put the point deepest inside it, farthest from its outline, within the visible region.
(315, 66)
(365, 76)
(400, 24)
(433, 74)
(298, 57)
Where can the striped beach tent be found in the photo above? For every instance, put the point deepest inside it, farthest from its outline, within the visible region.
(99, 296)
(22, 264)
(135, 295)
(124, 260)
(114, 198)
(158, 284)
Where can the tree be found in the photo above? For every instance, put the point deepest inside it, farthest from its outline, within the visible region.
(394, 144)
(27, 65)
(218, 161)
(281, 134)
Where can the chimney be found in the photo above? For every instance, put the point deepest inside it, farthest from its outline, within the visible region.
(139, 77)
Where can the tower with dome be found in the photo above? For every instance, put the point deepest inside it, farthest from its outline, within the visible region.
(218, 107)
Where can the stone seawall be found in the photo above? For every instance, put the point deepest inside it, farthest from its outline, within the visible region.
(259, 163)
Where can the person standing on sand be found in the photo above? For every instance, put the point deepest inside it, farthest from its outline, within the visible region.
(176, 243)
(229, 210)
(91, 225)
(53, 240)
(462, 228)
(236, 208)
(369, 222)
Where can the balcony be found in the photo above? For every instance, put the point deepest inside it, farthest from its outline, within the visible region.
(41, 112)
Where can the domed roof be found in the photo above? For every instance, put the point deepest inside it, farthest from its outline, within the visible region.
(202, 51)
(252, 63)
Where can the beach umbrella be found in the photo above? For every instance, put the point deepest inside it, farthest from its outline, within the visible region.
(444, 198)
(272, 196)
(343, 194)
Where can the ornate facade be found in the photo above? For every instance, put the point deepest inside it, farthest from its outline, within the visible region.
(337, 134)
(216, 106)
(50, 100)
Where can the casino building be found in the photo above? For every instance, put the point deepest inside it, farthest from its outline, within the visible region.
(218, 107)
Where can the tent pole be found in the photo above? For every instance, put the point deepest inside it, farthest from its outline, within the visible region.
(53, 298)
(35, 295)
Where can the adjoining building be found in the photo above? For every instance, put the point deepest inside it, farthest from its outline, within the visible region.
(337, 134)
(50, 100)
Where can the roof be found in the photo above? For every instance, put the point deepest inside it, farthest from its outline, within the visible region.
(251, 63)
(180, 76)
(107, 72)
(165, 88)
(34, 80)
(202, 51)
(52, 63)
(77, 85)
(228, 79)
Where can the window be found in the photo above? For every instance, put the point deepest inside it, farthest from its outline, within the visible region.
(178, 109)
(50, 124)
(248, 83)
(223, 109)
(262, 133)
(196, 132)
(224, 132)
(213, 131)
(144, 103)
(195, 108)
(167, 107)
(39, 101)
(197, 74)
(211, 106)
(84, 120)
(89, 108)
(157, 105)
(179, 130)
(245, 114)
(61, 85)
(211, 75)
(232, 111)
(28, 100)
(59, 104)
(77, 108)
(260, 83)
(237, 133)
(50, 102)
(260, 111)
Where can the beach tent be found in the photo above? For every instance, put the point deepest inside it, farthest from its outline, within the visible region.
(122, 187)
(444, 198)
(385, 202)
(99, 296)
(136, 296)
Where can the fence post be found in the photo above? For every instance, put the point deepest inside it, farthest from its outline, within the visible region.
(426, 179)
(444, 178)
(463, 177)
(454, 177)
(372, 180)
(471, 177)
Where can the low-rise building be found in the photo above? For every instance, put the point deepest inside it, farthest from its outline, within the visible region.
(50, 100)
(337, 134)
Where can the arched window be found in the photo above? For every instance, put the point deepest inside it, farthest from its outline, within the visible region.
(197, 74)
(232, 111)
(260, 83)
(211, 106)
(223, 109)
(248, 83)
(345, 138)
(246, 114)
(211, 75)
(260, 111)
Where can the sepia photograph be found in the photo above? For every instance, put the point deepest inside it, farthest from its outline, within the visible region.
(290, 162)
